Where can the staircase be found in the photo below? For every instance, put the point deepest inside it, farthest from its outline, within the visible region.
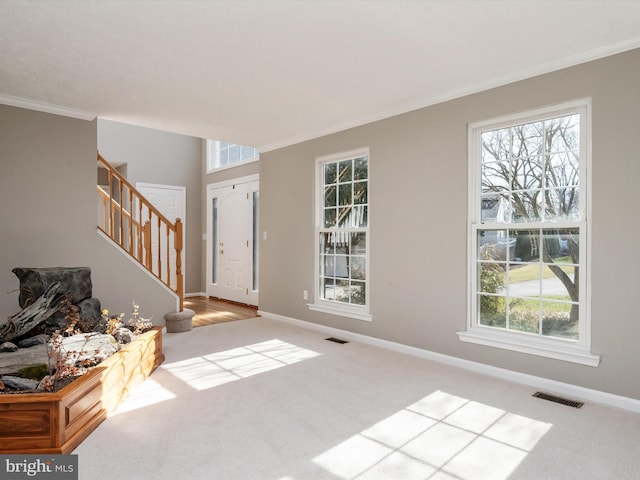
(140, 229)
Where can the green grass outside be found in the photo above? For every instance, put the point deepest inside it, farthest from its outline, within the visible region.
(532, 272)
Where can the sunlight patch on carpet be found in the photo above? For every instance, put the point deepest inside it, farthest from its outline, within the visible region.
(218, 368)
(443, 433)
(148, 393)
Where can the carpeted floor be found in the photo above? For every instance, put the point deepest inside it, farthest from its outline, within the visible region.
(264, 400)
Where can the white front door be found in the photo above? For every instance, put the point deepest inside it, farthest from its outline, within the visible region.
(232, 240)
(170, 200)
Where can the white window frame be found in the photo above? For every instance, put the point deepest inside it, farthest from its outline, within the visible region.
(212, 152)
(359, 312)
(577, 351)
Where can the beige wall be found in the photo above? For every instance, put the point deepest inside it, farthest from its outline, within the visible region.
(48, 192)
(418, 221)
(154, 156)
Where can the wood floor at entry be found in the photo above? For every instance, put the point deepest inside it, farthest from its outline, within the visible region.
(210, 311)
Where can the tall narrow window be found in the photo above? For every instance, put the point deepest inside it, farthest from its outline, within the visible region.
(342, 235)
(255, 229)
(214, 240)
(529, 237)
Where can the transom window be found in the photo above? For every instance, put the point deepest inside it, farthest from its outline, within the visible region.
(222, 155)
(342, 232)
(528, 226)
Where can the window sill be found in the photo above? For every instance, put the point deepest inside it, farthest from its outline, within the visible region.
(542, 347)
(343, 311)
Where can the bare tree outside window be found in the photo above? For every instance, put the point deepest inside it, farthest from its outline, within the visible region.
(530, 177)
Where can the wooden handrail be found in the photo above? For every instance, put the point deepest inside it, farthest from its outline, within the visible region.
(132, 222)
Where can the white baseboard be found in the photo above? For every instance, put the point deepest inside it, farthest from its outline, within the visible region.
(540, 383)
(195, 294)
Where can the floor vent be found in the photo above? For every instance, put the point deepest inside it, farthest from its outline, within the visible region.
(563, 401)
(336, 340)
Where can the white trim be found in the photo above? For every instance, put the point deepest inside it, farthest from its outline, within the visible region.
(548, 67)
(46, 107)
(234, 181)
(520, 343)
(552, 386)
(195, 294)
(341, 310)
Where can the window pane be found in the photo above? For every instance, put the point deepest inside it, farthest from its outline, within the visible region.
(357, 293)
(345, 171)
(526, 173)
(330, 196)
(563, 133)
(496, 145)
(496, 176)
(214, 240)
(527, 206)
(329, 266)
(327, 288)
(360, 216)
(560, 320)
(562, 170)
(256, 238)
(492, 311)
(495, 208)
(359, 243)
(562, 204)
(528, 140)
(329, 217)
(491, 244)
(344, 194)
(234, 154)
(330, 170)
(358, 268)
(360, 168)
(562, 245)
(552, 286)
(492, 278)
(527, 245)
(327, 245)
(360, 193)
(524, 315)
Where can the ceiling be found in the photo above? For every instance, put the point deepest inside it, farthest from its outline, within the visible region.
(272, 73)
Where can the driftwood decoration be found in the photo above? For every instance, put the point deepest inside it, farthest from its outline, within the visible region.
(40, 310)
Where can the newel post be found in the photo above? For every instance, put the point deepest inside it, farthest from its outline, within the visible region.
(178, 247)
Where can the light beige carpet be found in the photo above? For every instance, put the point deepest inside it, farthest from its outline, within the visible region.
(263, 400)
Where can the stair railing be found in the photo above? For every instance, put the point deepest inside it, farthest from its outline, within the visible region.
(133, 223)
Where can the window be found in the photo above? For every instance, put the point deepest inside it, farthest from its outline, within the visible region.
(222, 155)
(529, 236)
(342, 235)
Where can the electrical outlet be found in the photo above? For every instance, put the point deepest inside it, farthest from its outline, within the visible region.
(305, 295)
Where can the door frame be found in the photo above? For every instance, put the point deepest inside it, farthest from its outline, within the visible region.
(253, 295)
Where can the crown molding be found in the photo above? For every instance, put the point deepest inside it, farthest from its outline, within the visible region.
(46, 107)
(417, 104)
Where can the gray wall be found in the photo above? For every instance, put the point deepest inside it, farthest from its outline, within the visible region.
(418, 219)
(154, 156)
(48, 192)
